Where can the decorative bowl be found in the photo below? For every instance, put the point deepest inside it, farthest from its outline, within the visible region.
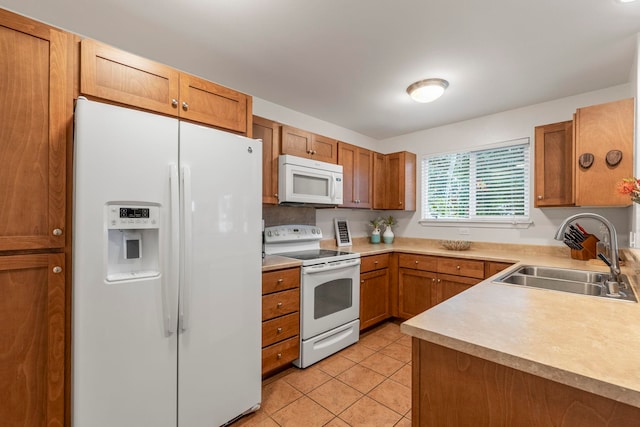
(456, 245)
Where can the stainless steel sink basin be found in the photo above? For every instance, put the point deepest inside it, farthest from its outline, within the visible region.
(568, 280)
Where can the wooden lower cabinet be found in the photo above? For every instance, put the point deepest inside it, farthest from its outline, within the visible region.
(451, 388)
(374, 290)
(424, 280)
(495, 267)
(32, 340)
(280, 318)
(416, 292)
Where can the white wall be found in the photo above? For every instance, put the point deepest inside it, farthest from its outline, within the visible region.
(499, 127)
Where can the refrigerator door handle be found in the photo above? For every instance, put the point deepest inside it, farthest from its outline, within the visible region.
(187, 256)
(170, 281)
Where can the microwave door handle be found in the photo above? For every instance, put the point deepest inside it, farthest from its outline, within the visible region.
(333, 187)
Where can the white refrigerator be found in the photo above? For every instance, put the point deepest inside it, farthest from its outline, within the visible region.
(166, 271)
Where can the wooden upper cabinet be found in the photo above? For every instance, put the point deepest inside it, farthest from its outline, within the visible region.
(297, 142)
(269, 132)
(602, 130)
(324, 149)
(357, 164)
(36, 106)
(379, 193)
(554, 165)
(112, 74)
(205, 102)
(32, 315)
(401, 181)
(115, 75)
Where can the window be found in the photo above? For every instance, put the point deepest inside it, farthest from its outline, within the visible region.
(485, 186)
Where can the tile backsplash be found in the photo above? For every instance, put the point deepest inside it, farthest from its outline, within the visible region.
(282, 215)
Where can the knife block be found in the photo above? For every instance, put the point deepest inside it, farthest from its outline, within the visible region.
(589, 249)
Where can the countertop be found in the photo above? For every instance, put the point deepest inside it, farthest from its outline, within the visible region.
(589, 343)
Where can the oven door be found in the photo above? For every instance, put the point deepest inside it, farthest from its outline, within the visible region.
(330, 296)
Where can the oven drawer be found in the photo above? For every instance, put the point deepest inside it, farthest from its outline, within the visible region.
(281, 354)
(374, 262)
(418, 262)
(280, 303)
(280, 328)
(280, 280)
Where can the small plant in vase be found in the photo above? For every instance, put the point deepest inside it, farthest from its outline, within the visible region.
(388, 235)
(375, 234)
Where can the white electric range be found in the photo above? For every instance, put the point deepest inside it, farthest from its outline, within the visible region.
(329, 290)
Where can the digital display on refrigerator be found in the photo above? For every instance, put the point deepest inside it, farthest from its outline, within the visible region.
(134, 212)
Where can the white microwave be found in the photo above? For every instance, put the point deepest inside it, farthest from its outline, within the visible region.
(308, 181)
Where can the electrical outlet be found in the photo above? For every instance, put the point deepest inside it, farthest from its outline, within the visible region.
(463, 231)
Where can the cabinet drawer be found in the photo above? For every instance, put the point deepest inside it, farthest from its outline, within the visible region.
(276, 281)
(280, 303)
(461, 267)
(418, 262)
(374, 262)
(280, 328)
(281, 354)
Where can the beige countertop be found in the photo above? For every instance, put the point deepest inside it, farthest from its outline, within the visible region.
(585, 342)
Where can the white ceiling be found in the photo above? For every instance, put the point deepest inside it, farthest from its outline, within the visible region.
(349, 61)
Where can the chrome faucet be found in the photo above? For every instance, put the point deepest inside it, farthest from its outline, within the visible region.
(614, 265)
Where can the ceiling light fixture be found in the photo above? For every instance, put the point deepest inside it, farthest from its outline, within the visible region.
(625, 1)
(427, 90)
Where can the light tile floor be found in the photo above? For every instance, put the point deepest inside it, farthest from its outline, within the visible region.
(366, 384)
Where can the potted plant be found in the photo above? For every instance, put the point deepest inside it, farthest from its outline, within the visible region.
(375, 234)
(388, 235)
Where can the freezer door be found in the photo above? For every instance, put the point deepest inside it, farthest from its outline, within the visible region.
(124, 358)
(220, 303)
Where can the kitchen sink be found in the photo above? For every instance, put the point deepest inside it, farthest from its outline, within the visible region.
(568, 280)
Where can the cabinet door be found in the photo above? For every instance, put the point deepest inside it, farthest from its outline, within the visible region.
(269, 132)
(296, 142)
(374, 297)
(36, 106)
(324, 149)
(600, 129)
(449, 286)
(554, 165)
(32, 336)
(347, 155)
(401, 177)
(363, 176)
(205, 102)
(115, 75)
(379, 191)
(417, 292)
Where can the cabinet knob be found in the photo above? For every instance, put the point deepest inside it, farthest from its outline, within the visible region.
(279, 356)
(416, 262)
(439, 280)
(57, 232)
(361, 281)
(57, 269)
(185, 106)
(279, 305)
(457, 267)
(375, 262)
(539, 197)
(433, 280)
(309, 151)
(174, 103)
(279, 331)
(280, 280)
(275, 195)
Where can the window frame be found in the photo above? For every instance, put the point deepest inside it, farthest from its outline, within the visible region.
(512, 221)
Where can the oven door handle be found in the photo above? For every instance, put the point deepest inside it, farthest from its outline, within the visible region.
(325, 268)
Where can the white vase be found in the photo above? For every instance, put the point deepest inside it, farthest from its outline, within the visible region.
(387, 236)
